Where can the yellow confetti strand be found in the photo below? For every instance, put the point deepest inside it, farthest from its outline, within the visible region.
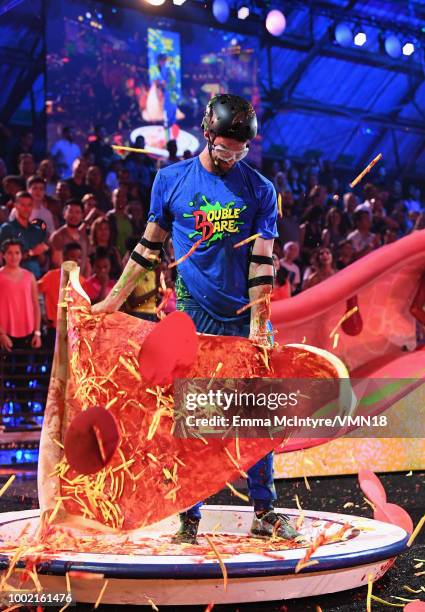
(152, 604)
(136, 346)
(303, 564)
(130, 368)
(220, 560)
(386, 603)
(102, 591)
(347, 315)
(369, 593)
(237, 448)
(368, 168)
(336, 340)
(279, 204)
(250, 239)
(111, 403)
(55, 511)
(7, 484)
(237, 493)
(119, 148)
(415, 532)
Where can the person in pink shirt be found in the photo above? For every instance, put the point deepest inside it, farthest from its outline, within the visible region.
(19, 307)
(99, 284)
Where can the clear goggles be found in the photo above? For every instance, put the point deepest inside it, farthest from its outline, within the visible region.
(227, 155)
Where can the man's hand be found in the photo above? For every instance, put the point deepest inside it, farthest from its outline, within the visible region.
(36, 341)
(103, 307)
(6, 343)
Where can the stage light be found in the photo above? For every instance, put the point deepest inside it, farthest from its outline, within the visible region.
(88, 15)
(343, 35)
(408, 48)
(392, 46)
(243, 12)
(155, 2)
(179, 2)
(275, 22)
(221, 10)
(360, 39)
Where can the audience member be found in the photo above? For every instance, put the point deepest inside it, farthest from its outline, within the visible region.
(100, 236)
(311, 232)
(19, 307)
(11, 186)
(64, 151)
(121, 228)
(291, 252)
(30, 235)
(77, 182)
(71, 232)
(362, 239)
(26, 166)
(91, 211)
(99, 284)
(63, 193)
(97, 187)
(47, 171)
(49, 286)
(101, 152)
(288, 225)
(323, 268)
(335, 229)
(35, 186)
(140, 167)
(345, 254)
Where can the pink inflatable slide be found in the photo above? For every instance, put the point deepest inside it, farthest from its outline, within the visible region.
(378, 340)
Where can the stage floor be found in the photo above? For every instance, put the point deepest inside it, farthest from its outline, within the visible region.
(332, 494)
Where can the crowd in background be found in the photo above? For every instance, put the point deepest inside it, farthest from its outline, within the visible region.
(91, 206)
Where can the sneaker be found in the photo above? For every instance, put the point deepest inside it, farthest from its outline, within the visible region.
(187, 532)
(273, 524)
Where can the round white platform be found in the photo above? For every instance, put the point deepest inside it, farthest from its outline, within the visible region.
(147, 566)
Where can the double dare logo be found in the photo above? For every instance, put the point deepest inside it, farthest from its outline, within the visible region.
(214, 221)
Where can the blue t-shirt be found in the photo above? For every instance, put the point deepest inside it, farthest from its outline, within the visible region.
(192, 203)
(30, 236)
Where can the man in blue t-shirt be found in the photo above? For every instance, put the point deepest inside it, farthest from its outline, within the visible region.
(30, 234)
(209, 204)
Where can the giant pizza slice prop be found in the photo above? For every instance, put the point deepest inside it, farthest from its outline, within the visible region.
(109, 456)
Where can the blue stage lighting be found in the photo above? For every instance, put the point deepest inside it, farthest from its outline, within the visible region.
(221, 10)
(408, 48)
(343, 35)
(360, 39)
(392, 46)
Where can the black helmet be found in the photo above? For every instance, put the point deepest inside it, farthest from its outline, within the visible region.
(230, 116)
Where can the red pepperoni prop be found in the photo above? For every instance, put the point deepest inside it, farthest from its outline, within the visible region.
(372, 487)
(91, 440)
(354, 324)
(169, 350)
(415, 606)
(388, 513)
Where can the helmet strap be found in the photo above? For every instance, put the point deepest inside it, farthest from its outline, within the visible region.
(210, 145)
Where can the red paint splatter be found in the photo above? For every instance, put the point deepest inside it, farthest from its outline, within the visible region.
(354, 324)
(91, 440)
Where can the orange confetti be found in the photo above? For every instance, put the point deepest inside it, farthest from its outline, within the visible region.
(250, 239)
(253, 303)
(102, 591)
(368, 168)
(188, 254)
